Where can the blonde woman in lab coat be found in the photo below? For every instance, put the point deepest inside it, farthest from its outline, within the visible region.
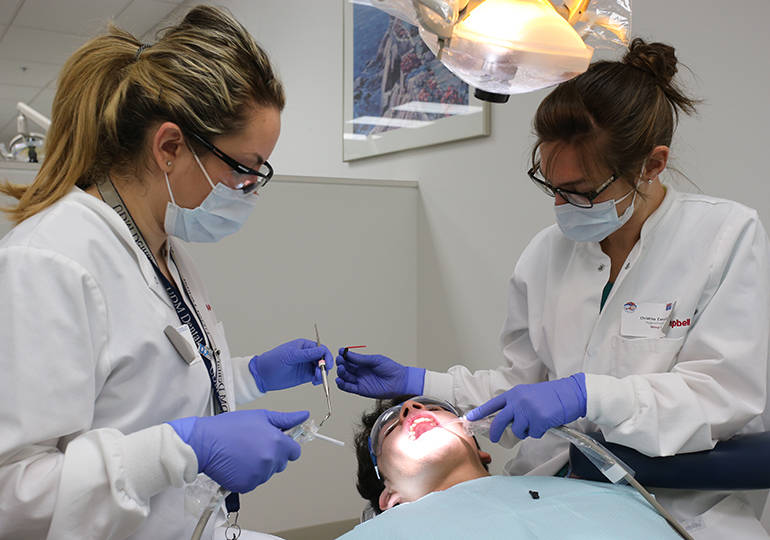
(117, 385)
(643, 312)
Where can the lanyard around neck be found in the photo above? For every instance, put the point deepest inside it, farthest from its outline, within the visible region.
(186, 315)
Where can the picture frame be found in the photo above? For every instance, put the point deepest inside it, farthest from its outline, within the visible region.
(397, 95)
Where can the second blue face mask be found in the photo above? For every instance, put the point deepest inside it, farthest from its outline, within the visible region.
(592, 224)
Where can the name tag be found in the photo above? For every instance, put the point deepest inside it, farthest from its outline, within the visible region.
(645, 319)
(182, 340)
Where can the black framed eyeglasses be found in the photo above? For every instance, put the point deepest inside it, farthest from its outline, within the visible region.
(575, 198)
(255, 178)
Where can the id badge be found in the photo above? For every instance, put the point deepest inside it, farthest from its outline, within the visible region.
(182, 340)
(645, 319)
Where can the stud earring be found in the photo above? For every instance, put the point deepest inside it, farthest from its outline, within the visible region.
(168, 164)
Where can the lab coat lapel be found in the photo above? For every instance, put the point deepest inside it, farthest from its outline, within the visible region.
(116, 223)
(214, 328)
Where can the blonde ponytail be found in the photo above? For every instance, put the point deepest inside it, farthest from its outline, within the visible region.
(201, 74)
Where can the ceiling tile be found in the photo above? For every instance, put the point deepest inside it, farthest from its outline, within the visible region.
(7, 10)
(38, 45)
(142, 15)
(81, 17)
(22, 73)
(12, 94)
(43, 101)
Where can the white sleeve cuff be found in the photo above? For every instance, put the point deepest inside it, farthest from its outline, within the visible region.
(610, 401)
(175, 464)
(246, 389)
(439, 385)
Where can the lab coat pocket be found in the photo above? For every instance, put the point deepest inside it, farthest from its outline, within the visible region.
(633, 356)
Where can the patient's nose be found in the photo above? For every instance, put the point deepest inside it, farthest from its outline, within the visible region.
(410, 405)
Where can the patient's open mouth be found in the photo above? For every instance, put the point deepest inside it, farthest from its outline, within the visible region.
(421, 424)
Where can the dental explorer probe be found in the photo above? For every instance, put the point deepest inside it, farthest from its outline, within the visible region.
(322, 365)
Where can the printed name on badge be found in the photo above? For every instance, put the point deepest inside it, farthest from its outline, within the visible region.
(645, 319)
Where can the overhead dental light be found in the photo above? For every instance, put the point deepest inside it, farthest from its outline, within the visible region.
(504, 47)
(26, 146)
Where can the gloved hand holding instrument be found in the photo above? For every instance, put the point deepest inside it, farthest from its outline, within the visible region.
(377, 376)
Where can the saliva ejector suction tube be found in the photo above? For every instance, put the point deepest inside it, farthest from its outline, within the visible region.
(304, 432)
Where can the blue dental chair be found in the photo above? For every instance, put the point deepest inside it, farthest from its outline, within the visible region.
(740, 463)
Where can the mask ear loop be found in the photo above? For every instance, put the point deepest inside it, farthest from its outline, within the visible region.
(206, 174)
(168, 185)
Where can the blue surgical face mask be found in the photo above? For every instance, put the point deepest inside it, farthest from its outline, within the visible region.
(593, 224)
(222, 212)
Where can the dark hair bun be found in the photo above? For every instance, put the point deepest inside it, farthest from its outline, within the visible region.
(658, 59)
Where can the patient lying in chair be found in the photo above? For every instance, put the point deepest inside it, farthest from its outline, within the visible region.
(425, 476)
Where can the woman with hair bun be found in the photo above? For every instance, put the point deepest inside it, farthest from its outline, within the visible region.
(643, 312)
(118, 390)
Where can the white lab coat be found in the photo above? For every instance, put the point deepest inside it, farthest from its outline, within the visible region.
(89, 378)
(683, 392)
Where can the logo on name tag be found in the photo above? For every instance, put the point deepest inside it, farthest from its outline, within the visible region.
(629, 307)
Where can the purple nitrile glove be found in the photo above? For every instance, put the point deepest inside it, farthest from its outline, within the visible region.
(377, 376)
(290, 364)
(535, 408)
(242, 449)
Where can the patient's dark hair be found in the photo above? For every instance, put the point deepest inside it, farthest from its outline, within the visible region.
(369, 486)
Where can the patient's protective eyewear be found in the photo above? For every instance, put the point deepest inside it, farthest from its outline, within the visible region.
(391, 418)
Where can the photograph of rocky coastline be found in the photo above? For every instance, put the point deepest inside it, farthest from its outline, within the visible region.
(392, 67)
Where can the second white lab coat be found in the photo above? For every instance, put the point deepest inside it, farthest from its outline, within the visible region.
(89, 378)
(703, 381)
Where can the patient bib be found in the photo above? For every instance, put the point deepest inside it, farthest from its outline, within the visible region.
(521, 507)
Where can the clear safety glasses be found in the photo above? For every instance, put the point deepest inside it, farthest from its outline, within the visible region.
(391, 418)
(244, 178)
(575, 198)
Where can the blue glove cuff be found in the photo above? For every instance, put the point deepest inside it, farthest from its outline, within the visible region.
(255, 373)
(183, 427)
(415, 381)
(580, 381)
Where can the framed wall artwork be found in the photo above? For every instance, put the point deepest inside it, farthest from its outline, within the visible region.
(397, 96)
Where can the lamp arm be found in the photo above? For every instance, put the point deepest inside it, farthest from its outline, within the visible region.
(38, 118)
(422, 9)
(571, 14)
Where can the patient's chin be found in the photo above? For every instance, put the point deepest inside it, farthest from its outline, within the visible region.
(421, 455)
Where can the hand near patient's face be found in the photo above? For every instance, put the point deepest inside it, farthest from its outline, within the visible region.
(426, 450)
